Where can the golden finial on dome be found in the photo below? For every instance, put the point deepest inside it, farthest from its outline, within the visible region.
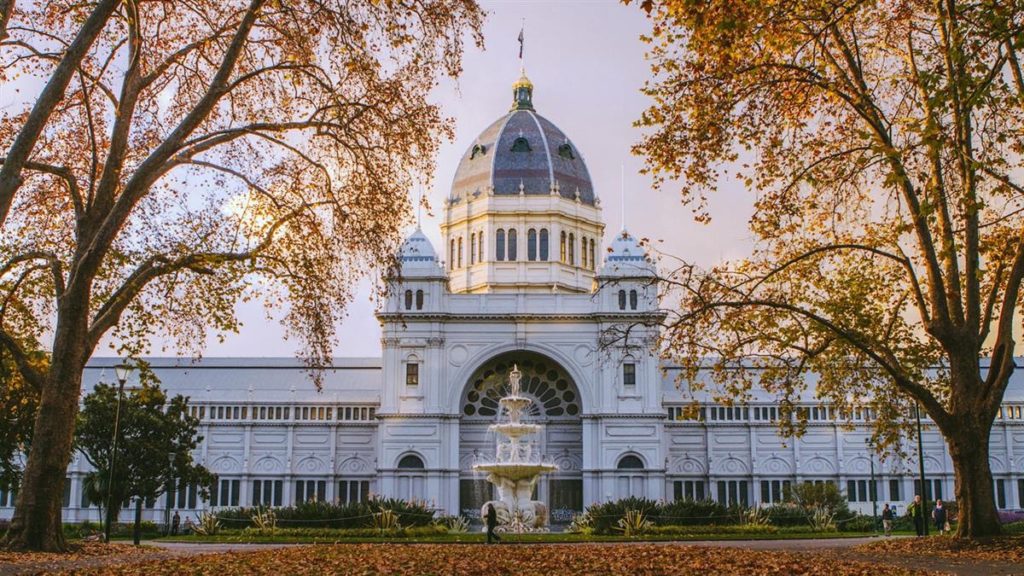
(523, 81)
(522, 92)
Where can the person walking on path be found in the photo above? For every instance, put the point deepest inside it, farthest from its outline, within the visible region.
(916, 511)
(887, 519)
(939, 515)
(175, 522)
(492, 521)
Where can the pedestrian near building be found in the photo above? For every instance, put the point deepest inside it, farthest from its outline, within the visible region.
(175, 522)
(916, 512)
(940, 517)
(492, 522)
(887, 519)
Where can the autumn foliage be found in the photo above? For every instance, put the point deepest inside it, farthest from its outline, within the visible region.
(173, 158)
(881, 144)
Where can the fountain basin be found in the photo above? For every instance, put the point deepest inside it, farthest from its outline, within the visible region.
(515, 471)
(515, 403)
(514, 429)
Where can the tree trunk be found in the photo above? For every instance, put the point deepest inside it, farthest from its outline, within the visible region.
(977, 516)
(37, 523)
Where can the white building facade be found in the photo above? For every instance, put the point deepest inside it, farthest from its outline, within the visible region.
(522, 278)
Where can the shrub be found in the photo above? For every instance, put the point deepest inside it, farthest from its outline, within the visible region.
(1014, 527)
(604, 518)
(581, 524)
(787, 515)
(633, 523)
(756, 517)
(821, 496)
(453, 524)
(693, 513)
(335, 534)
(713, 530)
(824, 495)
(823, 520)
(385, 520)
(859, 523)
(209, 524)
(315, 514)
(264, 521)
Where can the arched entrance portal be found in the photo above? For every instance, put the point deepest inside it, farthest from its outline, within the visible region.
(556, 406)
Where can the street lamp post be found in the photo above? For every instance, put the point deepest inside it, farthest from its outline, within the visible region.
(920, 469)
(170, 492)
(872, 489)
(122, 371)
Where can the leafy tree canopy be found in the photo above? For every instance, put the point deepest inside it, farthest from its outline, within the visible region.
(18, 405)
(151, 427)
(882, 144)
(175, 158)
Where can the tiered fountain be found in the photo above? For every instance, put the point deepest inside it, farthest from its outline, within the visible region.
(516, 469)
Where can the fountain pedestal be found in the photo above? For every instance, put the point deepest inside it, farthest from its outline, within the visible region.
(515, 470)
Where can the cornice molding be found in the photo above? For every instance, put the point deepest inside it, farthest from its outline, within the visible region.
(520, 317)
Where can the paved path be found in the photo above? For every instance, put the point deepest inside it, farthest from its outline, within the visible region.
(196, 548)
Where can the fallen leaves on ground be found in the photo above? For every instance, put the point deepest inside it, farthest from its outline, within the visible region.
(75, 551)
(504, 560)
(78, 554)
(1008, 549)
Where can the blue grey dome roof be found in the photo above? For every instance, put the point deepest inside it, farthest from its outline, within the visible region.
(523, 150)
(417, 256)
(626, 257)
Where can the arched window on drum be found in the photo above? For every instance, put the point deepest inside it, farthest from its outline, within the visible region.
(512, 256)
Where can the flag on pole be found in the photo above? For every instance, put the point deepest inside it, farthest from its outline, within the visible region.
(520, 43)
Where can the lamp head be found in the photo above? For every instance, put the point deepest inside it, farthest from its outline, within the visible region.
(123, 371)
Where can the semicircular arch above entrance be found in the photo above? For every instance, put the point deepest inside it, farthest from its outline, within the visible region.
(463, 377)
(554, 394)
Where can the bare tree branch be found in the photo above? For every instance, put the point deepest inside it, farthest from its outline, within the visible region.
(49, 98)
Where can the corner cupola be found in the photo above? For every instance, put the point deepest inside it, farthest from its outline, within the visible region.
(627, 259)
(417, 257)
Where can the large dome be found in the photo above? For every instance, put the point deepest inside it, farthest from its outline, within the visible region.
(523, 153)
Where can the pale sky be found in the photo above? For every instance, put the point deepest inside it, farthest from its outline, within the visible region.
(586, 62)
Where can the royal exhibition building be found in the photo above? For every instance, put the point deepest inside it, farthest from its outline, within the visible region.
(527, 276)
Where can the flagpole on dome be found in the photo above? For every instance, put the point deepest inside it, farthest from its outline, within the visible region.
(522, 42)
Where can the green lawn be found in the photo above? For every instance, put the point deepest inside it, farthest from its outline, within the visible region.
(476, 538)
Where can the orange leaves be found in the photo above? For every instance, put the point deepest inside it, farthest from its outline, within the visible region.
(1008, 549)
(79, 555)
(569, 560)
